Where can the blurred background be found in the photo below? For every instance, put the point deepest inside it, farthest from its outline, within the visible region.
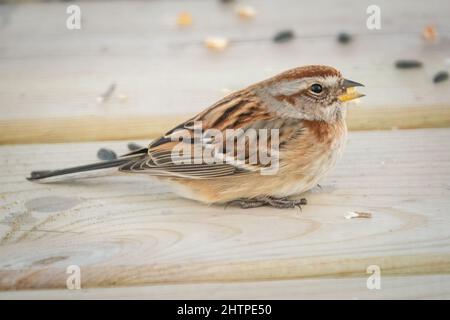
(90, 70)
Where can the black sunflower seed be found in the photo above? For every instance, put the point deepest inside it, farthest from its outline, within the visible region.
(344, 38)
(283, 36)
(408, 64)
(106, 154)
(440, 76)
(132, 146)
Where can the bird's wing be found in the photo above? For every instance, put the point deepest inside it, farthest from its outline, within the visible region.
(200, 148)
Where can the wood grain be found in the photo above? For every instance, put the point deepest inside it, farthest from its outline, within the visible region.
(88, 128)
(406, 287)
(129, 230)
(93, 128)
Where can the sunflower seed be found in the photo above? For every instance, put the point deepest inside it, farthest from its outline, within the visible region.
(106, 154)
(344, 38)
(284, 36)
(440, 76)
(132, 146)
(408, 64)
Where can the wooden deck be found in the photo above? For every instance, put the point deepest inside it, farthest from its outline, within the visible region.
(132, 238)
(130, 231)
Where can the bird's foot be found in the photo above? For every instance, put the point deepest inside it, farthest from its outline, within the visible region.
(279, 203)
(246, 203)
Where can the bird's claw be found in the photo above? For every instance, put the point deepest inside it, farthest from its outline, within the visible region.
(279, 203)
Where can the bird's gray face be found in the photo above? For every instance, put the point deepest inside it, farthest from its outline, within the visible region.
(312, 98)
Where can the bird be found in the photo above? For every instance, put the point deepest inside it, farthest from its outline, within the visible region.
(287, 132)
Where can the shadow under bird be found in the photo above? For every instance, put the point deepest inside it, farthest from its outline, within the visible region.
(302, 109)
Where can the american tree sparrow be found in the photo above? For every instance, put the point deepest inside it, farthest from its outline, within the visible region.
(302, 108)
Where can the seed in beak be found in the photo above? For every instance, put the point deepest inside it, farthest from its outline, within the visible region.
(350, 94)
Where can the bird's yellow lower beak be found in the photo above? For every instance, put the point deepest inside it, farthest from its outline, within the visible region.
(350, 94)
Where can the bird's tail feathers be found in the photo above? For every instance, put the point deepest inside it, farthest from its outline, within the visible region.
(85, 171)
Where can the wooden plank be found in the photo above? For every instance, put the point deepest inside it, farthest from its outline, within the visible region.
(93, 128)
(129, 230)
(410, 287)
(87, 128)
(48, 72)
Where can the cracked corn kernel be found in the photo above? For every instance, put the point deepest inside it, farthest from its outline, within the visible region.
(246, 12)
(216, 43)
(429, 33)
(184, 19)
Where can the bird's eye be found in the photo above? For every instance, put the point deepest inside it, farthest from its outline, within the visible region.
(316, 88)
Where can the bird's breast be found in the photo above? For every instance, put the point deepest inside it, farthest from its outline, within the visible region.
(311, 156)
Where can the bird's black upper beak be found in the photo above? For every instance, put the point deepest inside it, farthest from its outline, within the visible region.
(350, 84)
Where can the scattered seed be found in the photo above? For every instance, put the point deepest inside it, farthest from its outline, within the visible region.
(440, 76)
(246, 12)
(106, 154)
(132, 146)
(408, 64)
(358, 214)
(344, 38)
(184, 19)
(226, 1)
(122, 97)
(283, 36)
(216, 43)
(429, 33)
(107, 94)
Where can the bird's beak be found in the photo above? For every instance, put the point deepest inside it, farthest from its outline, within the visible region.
(350, 92)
